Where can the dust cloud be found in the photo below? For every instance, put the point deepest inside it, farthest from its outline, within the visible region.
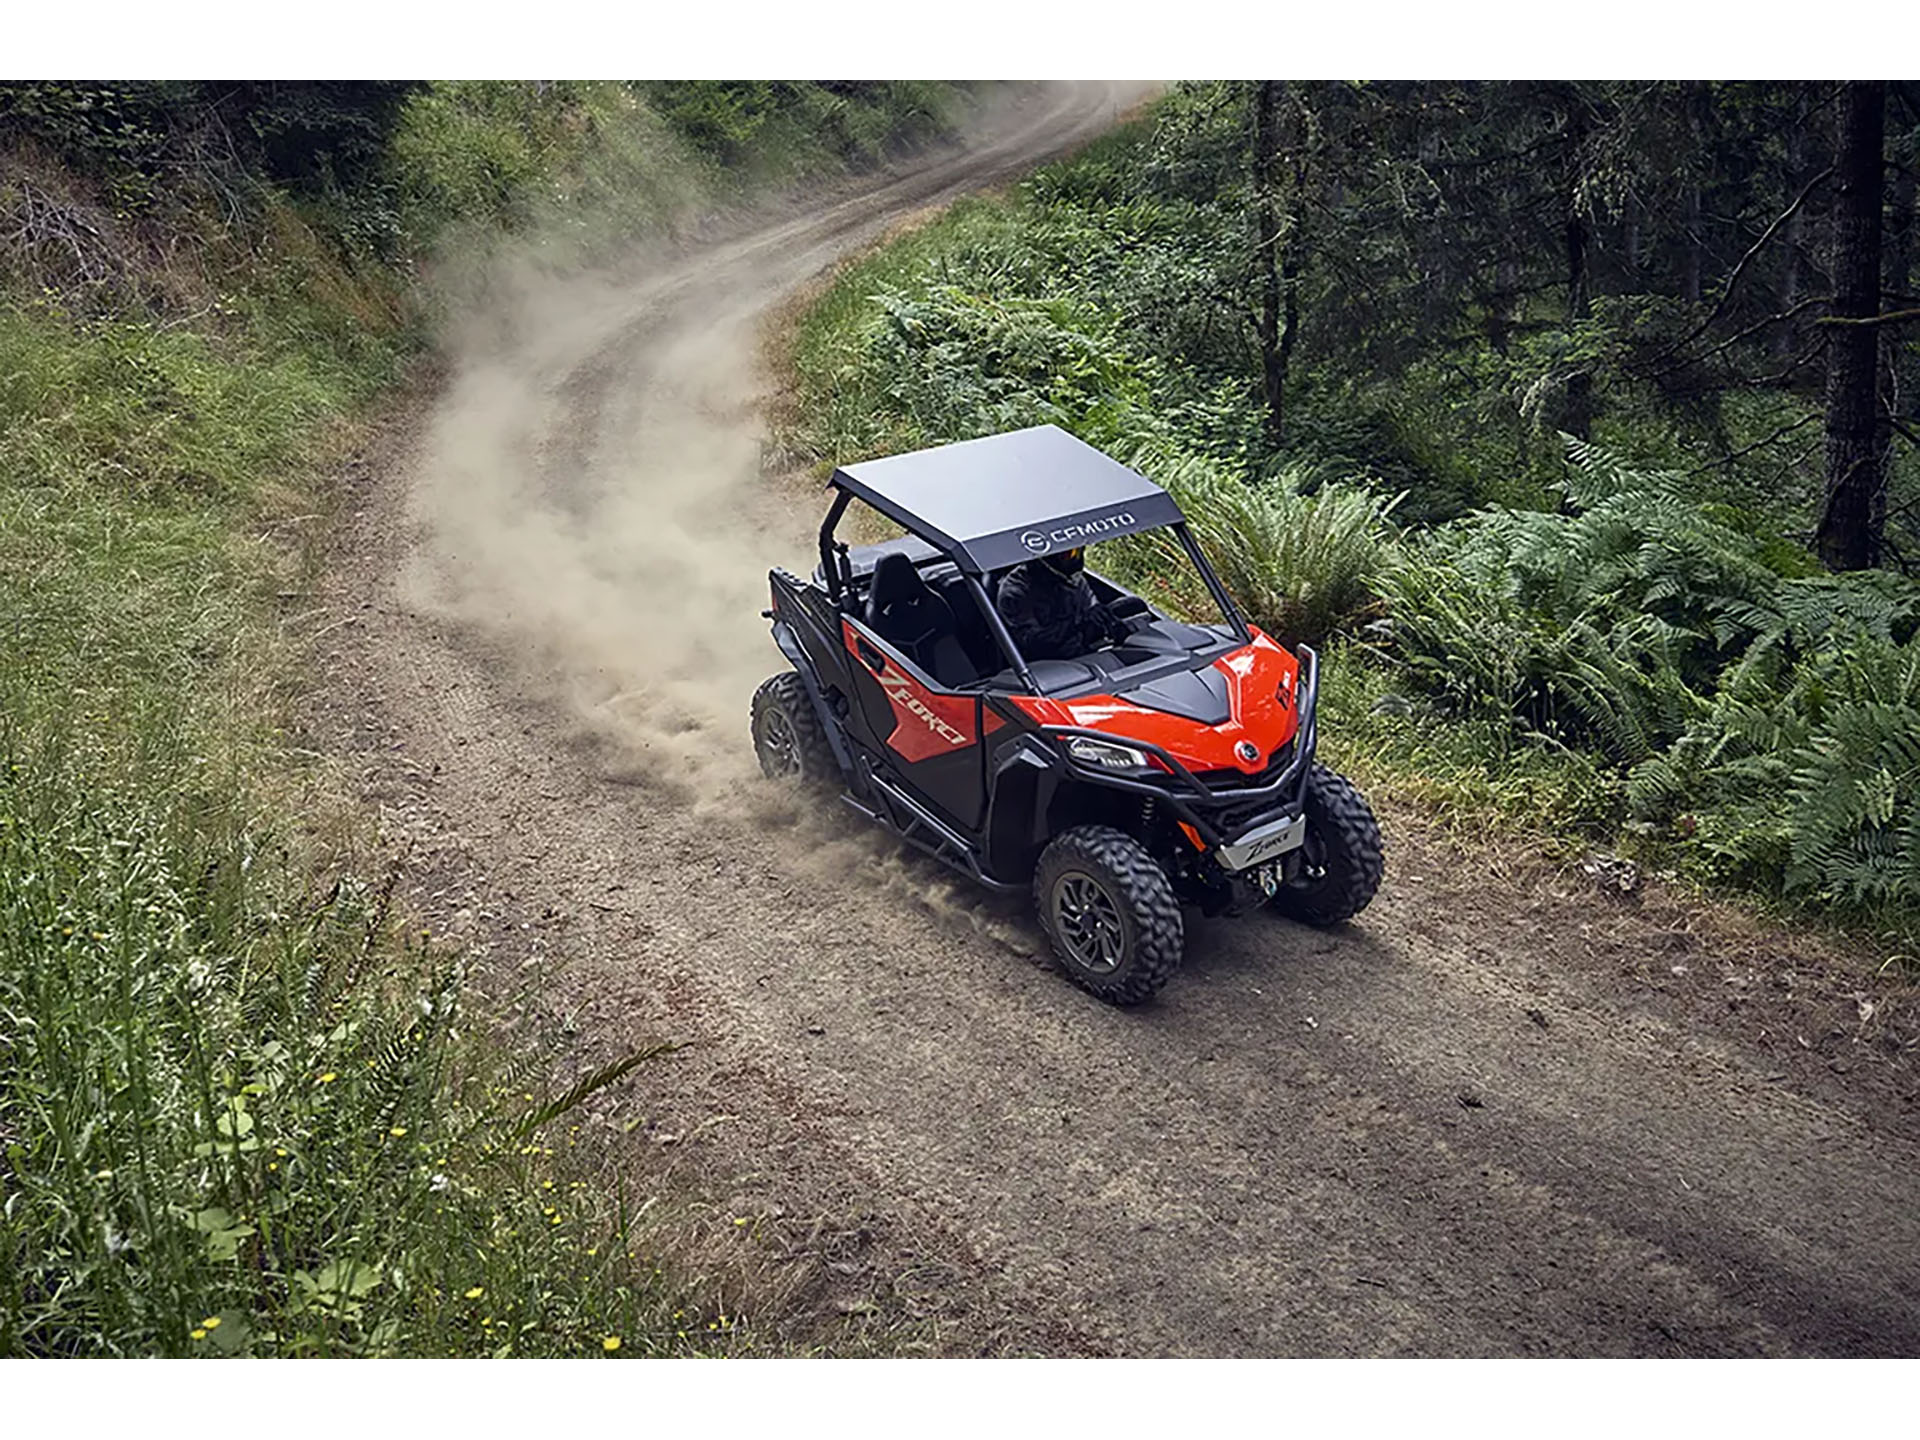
(592, 513)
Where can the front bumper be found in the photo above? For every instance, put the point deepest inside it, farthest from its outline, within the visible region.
(1263, 844)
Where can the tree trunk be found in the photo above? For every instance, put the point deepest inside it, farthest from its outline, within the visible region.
(1898, 281)
(1850, 525)
(1786, 340)
(1696, 237)
(1273, 354)
(1579, 417)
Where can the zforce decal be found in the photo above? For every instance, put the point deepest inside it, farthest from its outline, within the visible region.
(901, 691)
(926, 723)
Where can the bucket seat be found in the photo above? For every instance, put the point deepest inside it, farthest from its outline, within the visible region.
(905, 612)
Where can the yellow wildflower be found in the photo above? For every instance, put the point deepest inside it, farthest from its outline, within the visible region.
(397, 1131)
(610, 1344)
(199, 1334)
(328, 1078)
(476, 1292)
(212, 1322)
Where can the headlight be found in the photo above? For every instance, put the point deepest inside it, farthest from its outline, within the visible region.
(1106, 755)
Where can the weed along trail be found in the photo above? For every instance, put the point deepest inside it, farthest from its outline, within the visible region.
(1486, 1118)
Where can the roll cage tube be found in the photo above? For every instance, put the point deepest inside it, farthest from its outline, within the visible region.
(835, 566)
(1000, 631)
(1220, 596)
(836, 583)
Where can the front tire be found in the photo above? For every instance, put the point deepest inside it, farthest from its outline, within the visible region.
(788, 735)
(1111, 914)
(1342, 861)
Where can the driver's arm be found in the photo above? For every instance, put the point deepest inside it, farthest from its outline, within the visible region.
(1016, 609)
(1097, 621)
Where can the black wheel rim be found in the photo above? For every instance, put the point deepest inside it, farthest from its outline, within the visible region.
(1087, 922)
(780, 747)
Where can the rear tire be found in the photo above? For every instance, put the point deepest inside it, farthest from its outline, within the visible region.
(1111, 914)
(1343, 846)
(788, 735)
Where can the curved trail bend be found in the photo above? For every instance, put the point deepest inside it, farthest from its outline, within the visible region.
(1467, 1124)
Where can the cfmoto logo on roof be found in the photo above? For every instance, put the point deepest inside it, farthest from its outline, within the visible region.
(1041, 541)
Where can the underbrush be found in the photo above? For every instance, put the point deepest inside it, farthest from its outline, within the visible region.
(239, 1113)
(240, 1118)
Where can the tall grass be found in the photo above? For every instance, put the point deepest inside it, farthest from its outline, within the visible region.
(241, 1112)
(237, 1117)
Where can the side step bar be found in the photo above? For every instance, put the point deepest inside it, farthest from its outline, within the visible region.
(912, 822)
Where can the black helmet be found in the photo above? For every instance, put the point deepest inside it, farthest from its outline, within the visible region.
(1068, 562)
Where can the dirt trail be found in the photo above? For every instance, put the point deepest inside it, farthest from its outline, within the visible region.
(1476, 1122)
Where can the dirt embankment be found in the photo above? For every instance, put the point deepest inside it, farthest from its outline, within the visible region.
(1496, 1116)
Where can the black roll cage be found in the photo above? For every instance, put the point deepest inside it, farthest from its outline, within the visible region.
(838, 570)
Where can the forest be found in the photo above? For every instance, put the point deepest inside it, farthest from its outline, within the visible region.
(1579, 417)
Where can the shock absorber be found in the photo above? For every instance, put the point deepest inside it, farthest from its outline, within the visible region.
(1149, 809)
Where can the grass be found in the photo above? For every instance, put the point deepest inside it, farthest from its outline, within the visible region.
(240, 1111)
(1473, 776)
(242, 1116)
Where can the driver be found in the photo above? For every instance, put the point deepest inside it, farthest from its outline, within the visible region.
(1051, 611)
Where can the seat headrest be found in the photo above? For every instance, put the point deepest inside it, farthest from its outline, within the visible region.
(894, 580)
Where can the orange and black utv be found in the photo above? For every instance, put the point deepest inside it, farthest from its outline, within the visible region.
(1171, 763)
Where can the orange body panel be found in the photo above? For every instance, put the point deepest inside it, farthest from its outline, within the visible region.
(1262, 679)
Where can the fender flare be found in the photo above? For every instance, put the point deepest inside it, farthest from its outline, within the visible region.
(790, 646)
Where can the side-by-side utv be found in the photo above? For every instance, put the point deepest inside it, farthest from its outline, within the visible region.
(1171, 762)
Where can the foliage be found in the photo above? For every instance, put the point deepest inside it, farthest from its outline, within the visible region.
(799, 126)
(239, 1120)
(1766, 722)
(470, 159)
(180, 974)
(1608, 639)
(1302, 565)
(129, 406)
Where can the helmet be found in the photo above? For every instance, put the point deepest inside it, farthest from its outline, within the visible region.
(1068, 562)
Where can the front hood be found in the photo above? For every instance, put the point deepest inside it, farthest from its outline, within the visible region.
(1201, 716)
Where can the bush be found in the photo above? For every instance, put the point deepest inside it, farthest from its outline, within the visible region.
(1767, 721)
(1302, 566)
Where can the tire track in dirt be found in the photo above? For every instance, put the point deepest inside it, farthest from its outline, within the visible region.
(1344, 1143)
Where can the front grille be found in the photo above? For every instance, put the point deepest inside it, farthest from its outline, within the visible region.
(1231, 814)
(1239, 779)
